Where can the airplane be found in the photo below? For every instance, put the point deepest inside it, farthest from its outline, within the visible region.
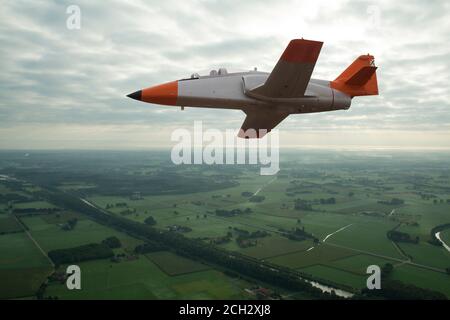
(268, 98)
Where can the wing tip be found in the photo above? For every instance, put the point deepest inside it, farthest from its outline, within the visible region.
(302, 50)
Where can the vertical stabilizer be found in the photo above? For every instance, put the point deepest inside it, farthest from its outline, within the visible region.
(359, 79)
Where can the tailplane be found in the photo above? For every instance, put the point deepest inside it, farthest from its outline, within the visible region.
(359, 79)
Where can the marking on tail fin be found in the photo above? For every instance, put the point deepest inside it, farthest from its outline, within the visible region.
(361, 77)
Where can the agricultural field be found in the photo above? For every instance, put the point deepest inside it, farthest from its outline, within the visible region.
(173, 264)
(321, 254)
(23, 267)
(142, 279)
(86, 231)
(9, 224)
(325, 214)
(445, 235)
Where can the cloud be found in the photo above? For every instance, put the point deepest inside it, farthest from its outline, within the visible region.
(53, 77)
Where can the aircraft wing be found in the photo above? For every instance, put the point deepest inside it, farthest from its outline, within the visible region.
(262, 122)
(292, 73)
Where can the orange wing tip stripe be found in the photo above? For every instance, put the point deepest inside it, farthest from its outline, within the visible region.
(166, 94)
(300, 50)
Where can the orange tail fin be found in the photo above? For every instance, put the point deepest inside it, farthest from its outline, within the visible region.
(359, 79)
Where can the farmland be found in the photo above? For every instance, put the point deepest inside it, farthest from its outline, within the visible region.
(325, 215)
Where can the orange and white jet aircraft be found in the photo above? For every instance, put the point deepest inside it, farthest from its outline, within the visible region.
(268, 98)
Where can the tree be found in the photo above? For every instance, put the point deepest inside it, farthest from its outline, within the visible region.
(387, 270)
(86, 252)
(70, 225)
(112, 242)
(150, 221)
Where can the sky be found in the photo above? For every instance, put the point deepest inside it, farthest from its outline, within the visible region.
(63, 88)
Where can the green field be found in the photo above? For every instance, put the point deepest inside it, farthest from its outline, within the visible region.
(58, 218)
(425, 253)
(423, 278)
(85, 232)
(34, 205)
(358, 264)
(321, 254)
(349, 279)
(272, 246)
(369, 235)
(23, 267)
(22, 283)
(18, 251)
(9, 224)
(445, 236)
(142, 279)
(173, 264)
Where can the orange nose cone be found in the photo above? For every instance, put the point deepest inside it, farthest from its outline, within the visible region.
(166, 93)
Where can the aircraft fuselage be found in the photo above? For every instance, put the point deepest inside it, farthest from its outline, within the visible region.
(232, 91)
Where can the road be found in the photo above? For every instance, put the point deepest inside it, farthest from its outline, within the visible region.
(333, 233)
(257, 191)
(35, 242)
(438, 236)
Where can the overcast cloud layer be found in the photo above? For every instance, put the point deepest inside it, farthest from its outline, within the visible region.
(62, 88)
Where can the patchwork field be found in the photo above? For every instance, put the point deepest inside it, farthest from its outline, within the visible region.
(326, 214)
(142, 279)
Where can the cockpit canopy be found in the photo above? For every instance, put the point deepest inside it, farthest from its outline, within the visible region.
(220, 72)
(212, 73)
